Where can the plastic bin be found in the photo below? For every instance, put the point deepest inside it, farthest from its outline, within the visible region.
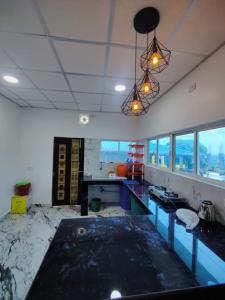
(95, 204)
(125, 202)
(22, 188)
(136, 208)
(20, 204)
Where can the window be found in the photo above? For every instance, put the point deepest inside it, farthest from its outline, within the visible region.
(124, 149)
(114, 151)
(109, 151)
(184, 153)
(211, 153)
(164, 152)
(152, 152)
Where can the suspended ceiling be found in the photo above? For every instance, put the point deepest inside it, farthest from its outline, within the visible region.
(70, 54)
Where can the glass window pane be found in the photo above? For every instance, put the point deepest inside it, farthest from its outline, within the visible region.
(109, 151)
(152, 149)
(164, 152)
(211, 153)
(184, 152)
(124, 149)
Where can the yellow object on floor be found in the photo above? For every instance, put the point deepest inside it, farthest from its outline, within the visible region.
(20, 204)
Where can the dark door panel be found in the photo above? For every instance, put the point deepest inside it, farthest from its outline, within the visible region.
(68, 164)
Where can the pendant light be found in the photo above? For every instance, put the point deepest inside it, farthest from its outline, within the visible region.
(148, 85)
(156, 56)
(136, 103)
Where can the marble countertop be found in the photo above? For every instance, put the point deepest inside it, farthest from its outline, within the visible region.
(109, 178)
(133, 255)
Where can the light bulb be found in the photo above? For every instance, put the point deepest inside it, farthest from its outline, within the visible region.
(146, 87)
(136, 105)
(155, 59)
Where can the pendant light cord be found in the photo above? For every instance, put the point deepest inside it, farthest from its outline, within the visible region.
(135, 67)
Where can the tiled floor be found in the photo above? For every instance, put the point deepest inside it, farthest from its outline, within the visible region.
(24, 240)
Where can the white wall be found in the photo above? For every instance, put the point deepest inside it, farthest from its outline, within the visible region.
(40, 126)
(9, 152)
(179, 109)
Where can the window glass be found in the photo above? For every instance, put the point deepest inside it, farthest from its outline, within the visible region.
(124, 149)
(109, 151)
(211, 153)
(152, 152)
(164, 152)
(184, 152)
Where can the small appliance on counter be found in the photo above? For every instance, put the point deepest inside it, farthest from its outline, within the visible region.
(206, 211)
(166, 196)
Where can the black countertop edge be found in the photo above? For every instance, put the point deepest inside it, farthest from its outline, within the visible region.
(202, 292)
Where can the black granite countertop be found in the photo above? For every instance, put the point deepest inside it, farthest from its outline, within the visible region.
(90, 258)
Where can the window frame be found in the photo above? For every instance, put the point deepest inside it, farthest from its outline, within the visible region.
(118, 154)
(174, 153)
(194, 175)
(161, 137)
(148, 152)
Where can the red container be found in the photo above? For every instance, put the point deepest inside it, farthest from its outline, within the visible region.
(23, 190)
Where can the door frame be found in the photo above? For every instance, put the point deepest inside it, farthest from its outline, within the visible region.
(68, 141)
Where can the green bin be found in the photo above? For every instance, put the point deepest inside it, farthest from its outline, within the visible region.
(95, 204)
(136, 208)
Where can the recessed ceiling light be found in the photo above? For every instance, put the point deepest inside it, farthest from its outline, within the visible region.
(120, 88)
(10, 79)
(84, 119)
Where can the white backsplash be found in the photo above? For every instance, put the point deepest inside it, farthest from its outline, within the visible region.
(194, 191)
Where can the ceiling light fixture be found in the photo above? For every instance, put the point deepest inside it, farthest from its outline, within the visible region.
(156, 56)
(148, 85)
(120, 87)
(84, 119)
(136, 103)
(10, 79)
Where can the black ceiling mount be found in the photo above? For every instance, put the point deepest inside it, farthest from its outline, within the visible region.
(146, 20)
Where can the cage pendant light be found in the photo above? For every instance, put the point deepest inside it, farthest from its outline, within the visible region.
(148, 85)
(135, 104)
(156, 57)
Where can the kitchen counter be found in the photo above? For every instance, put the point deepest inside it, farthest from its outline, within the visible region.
(89, 180)
(89, 258)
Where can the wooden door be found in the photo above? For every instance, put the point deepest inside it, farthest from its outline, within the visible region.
(68, 165)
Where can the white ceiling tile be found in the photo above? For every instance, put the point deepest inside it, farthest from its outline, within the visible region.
(81, 58)
(29, 52)
(23, 80)
(204, 28)
(84, 98)
(40, 104)
(111, 108)
(89, 107)
(86, 20)
(180, 64)
(5, 62)
(4, 91)
(86, 83)
(110, 84)
(19, 16)
(22, 103)
(48, 80)
(121, 62)
(28, 94)
(59, 96)
(66, 105)
(123, 30)
(113, 100)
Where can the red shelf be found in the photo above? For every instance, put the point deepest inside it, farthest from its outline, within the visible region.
(137, 146)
